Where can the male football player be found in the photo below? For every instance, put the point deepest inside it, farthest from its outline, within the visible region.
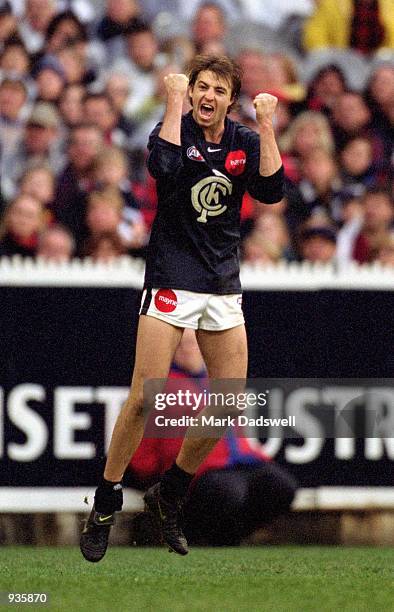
(203, 163)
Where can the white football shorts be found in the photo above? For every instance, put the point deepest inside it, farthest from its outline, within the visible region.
(194, 310)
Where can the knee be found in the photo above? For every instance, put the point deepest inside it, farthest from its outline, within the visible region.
(133, 407)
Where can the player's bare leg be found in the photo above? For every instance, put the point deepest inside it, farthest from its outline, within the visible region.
(156, 344)
(225, 355)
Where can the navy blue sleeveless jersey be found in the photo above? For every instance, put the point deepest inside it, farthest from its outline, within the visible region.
(195, 237)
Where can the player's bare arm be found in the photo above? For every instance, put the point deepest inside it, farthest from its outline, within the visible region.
(176, 85)
(270, 160)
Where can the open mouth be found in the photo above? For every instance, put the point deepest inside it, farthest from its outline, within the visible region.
(206, 110)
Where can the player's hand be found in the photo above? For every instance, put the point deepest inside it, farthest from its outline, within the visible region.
(265, 106)
(176, 84)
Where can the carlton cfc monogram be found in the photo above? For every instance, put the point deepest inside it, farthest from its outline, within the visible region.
(206, 196)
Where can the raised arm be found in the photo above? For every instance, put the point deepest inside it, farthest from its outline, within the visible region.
(270, 160)
(176, 85)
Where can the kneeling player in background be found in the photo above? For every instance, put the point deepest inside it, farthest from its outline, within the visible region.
(236, 490)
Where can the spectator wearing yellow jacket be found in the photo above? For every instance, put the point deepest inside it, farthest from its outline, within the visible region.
(364, 25)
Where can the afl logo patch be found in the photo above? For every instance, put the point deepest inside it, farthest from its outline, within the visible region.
(194, 154)
(235, 162)
(166, 300)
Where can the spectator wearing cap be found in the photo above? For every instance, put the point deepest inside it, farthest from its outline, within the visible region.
(41, 143)
(32, 29)
(317, 244)
(377, 225)
(13, 98)
(55, 244)
(21, 224)
(50, 78)
(364, 25)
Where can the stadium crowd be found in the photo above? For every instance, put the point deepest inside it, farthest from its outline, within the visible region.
(81, 87)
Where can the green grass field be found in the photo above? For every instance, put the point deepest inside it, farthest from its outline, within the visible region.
(274, 579)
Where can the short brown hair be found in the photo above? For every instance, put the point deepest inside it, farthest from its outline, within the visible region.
(222, 66)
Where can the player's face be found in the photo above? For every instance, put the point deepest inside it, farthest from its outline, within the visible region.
(211, 97)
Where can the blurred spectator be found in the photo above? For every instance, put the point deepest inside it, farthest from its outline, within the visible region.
(39, 182)
(105, 214)
(380, 93)
(64, 29)
(110, 169)
(385, 254)
(55, 244)
(307, 131)
(8, 23)
(356, 162)
(318, 191)
(351, 117)
(152, 110)
(380, 97)
(378, 221)
(275, 13)
(256, 250)
(363, 25)
(236, 490)
(255, 75)
(33, 27)
(120, 15)
(85, 142)
(271, 233)
(209, 25)
(14, 59)
(325, 88)
(20, 227)
(139, 63)
(104, 247)
(117, 88)
(13, 97)
(99, 110)
(70, 104)
(41, 143)
(67, 32)
(50, 78)
(317, 244)
(351, 223)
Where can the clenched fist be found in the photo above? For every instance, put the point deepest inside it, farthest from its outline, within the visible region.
(265, 106)
(176, 83)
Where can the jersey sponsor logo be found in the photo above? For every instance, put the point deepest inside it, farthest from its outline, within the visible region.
(194, 154)
(235, 162)
(210, 150)
(206, 196)
(166, 300)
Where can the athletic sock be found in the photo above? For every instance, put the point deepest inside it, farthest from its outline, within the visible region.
(108, 497)
(175, 483)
